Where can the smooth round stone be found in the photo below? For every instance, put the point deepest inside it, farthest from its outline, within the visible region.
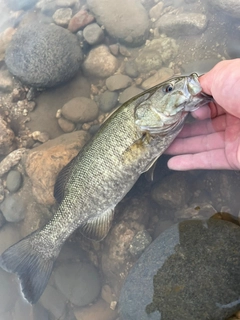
(62, 16)
(108, 100)
(131, 69)
(13, 208)
(8, 292)
(14, 180)
(79, 282)
(191, 271)
(129, 93)
(80, 109)
(118, 81)
(93, 34)
(43, 55)
(66, 125)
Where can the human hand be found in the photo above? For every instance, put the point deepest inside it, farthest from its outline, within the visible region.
(214, 142)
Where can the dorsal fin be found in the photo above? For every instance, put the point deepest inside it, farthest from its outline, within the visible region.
(61, 181)
(97, 228)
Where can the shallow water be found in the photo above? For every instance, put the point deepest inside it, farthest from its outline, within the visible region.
(148, 42)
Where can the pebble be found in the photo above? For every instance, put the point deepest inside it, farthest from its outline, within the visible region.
(80, 109)
(131, 69)
(100, 62)
(124, 51)
(8, 292)
(13, 208)
(40, 63)
(20, 4)
(14, 180)
(79, 282)
(6, 83)
(114, 48)
(80, 20)
(230, 7)
(190, 266)
(140, 242)
(117, 82)
(54, 301)
(182, 24)
(127, 21)
(107, 100)
(93, 34)
(94, 128)
(62, 17)
(129, 93)
(162, 75)
(65, 125)
(156, 11)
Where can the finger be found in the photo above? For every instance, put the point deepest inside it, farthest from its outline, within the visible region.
(197, 144)
(214, 159)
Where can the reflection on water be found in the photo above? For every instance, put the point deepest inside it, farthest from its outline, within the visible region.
(62, 91)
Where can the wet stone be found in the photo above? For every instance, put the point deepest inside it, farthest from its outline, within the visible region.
(162, 75)
(182, 24)
(80, 20)
(93, 34)
(13, 208)
(117, 82)
(108, 100)
(80, 109)
(131, 69)
(193, 268)
(79, 282)
(129, 93)
(140, 242)
(41, 63)
(66, 125)
(14, 180)
(62, 17)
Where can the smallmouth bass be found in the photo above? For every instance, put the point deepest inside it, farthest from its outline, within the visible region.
(95, 181)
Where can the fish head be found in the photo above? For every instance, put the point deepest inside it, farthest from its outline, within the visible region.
(166, 105)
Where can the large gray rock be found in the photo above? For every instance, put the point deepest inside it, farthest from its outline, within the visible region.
(43, 55)
(191, 271)
(231, 7)
(125, 20)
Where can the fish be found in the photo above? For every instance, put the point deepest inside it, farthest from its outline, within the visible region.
(88, 189)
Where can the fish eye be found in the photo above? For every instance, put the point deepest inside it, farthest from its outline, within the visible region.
(169, 87)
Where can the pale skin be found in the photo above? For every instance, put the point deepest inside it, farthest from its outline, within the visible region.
(213, 142)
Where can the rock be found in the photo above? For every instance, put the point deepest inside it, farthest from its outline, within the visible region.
(131, 69)
(79, 282)
(172, 192)
(20, 4)
(99, 310)
(40, 136)
(117, 82)
(125, 20)
(65, 125)
(162, 75)
(189, 266)
(124, 51)
(14, 180)
(7, 138)
(9, 234)
(158, 51)
(80, 109)
(54, 301)
(107, 101)
(93, 34)
(23, 311)
(62, 17)
(8, 292)
(51, 55)
(231, 7)
(13, 208)
(5, 39)
(43, 163)
(156, 11)
(6, 83)
(80, 20)
(114, 48)
(129, 93)
(100, 62)
(182, 24)
(18, 94)
(140, 242)
(11, 160)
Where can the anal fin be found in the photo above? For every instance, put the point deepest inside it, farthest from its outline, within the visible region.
(97, 228)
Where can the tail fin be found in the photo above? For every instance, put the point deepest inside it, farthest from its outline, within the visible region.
(32, 268)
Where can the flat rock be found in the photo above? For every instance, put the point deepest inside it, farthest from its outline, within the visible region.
(161, 75)
(80, 109)
(62, 17)
(45, 162)
(51, 55)
(230, 7)
(125, 20)
(93, 34)
(108, 100)
(118, 81)
(192, 270)
(182, 24)
(100, 62)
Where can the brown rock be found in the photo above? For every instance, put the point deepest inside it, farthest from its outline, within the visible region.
(80, 20)
(65, 125)
(7, 138)
(45, 162)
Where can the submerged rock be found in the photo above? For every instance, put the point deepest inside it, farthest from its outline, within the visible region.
(192, 270)
(231, 7)
(50, 55)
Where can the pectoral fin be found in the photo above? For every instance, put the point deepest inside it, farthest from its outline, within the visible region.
(97, 228)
